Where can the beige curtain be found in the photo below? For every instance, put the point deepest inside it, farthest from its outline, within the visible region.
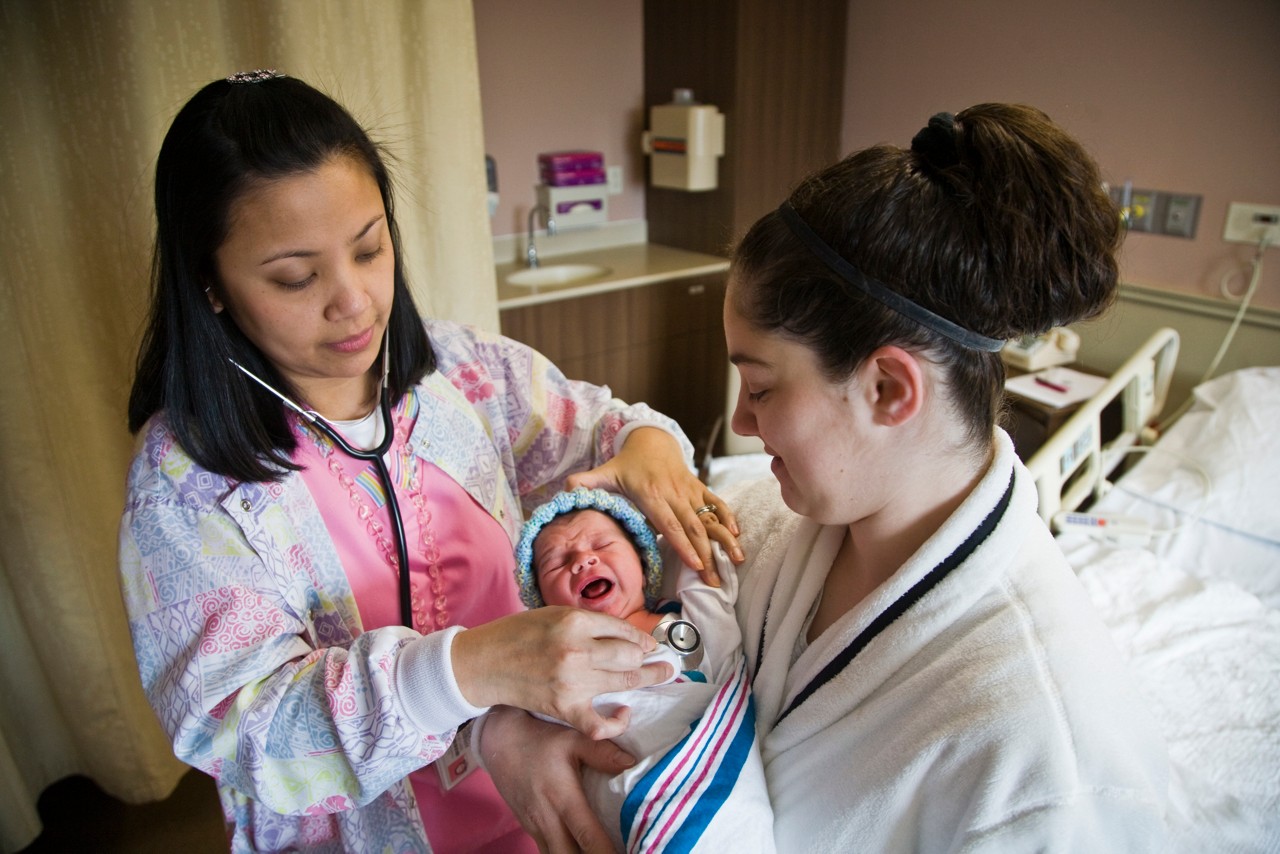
(89, 89)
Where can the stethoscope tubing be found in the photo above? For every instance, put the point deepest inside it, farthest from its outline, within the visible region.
(375, 455)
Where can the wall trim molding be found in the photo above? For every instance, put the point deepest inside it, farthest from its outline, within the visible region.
(1205, 306)
(1202, 323)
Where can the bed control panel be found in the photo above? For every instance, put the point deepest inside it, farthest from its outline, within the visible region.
(1079, 454)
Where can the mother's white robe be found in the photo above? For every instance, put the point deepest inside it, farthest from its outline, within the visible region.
(994, 714)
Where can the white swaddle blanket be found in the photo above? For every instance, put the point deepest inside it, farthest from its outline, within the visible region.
(699, 783)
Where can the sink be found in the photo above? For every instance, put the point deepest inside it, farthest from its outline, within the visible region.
(556, 274)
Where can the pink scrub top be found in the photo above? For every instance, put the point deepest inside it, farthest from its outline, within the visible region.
(461, 570)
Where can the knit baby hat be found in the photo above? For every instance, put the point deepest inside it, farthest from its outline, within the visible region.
(616, 506)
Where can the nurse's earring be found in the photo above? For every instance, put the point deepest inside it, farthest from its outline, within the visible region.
(214, 302)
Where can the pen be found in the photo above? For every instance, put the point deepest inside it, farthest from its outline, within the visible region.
(1051, 384)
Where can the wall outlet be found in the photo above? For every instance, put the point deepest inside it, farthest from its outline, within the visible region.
(1181, 214)
(1250, 223)
(614, 176)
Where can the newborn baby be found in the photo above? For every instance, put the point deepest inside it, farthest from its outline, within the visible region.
(698, 783)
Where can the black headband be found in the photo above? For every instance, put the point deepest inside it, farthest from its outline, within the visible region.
(880, 292)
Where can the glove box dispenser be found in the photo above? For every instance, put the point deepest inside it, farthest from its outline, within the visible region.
(572, 207)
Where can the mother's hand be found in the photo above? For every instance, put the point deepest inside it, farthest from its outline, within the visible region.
(536, 767)
(553, 661)
(650, 469)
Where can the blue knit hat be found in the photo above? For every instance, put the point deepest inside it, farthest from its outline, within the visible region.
(616, 506)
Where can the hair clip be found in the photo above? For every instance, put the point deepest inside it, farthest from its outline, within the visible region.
(255, 76)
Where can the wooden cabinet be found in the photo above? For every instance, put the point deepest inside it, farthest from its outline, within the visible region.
(662, 344)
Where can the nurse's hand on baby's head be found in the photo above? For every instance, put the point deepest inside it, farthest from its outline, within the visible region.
(669, 495)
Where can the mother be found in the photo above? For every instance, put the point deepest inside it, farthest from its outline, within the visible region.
(921, 647)
(929, 676)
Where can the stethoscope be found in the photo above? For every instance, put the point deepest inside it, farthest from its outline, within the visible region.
(683, 637)
(374, 455)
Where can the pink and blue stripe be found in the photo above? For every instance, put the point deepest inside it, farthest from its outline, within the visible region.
(672, 805)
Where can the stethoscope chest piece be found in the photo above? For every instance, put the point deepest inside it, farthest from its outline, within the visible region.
(683, 637)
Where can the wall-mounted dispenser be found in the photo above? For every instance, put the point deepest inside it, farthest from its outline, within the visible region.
(491, 179)
(571, 207)
(573, 188)
(684, 142)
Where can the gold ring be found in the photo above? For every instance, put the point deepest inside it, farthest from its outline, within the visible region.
(705, 508)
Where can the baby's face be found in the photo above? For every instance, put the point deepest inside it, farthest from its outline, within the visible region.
(585, 559)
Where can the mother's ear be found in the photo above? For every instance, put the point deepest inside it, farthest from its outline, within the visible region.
(896, 380)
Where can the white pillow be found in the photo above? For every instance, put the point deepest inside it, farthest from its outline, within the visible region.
(1231, 432)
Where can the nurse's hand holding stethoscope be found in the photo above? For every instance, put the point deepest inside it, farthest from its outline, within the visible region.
(650, 470)
(554, 660)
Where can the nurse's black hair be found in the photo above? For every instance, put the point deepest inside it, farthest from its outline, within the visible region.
(226, 139)
(994, 219)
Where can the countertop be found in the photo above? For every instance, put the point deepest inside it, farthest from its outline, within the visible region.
(629, 266)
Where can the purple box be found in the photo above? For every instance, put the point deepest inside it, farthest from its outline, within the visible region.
(577, 176)
(569, 161)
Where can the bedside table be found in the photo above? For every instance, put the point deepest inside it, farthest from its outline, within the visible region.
(1030, 422)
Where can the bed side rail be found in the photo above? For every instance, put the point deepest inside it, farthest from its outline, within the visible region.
(1072, 464)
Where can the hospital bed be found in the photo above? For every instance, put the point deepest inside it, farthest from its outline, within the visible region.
(1176, 539)
(1178, 544)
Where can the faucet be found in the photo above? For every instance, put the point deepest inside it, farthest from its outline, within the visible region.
(531, 254)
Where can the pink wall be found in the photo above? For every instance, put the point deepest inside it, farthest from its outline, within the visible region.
(561, 74)
(1179, 95)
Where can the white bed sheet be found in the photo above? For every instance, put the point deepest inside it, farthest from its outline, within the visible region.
(1197, 610)
(1206, 657)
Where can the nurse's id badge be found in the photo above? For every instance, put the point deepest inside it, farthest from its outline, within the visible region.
(457, 761)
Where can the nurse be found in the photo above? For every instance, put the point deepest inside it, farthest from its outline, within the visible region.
(316, 551)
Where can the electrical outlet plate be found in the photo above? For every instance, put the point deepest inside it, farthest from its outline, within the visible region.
(1250, 223)
(1181, 214)
(614, 176)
